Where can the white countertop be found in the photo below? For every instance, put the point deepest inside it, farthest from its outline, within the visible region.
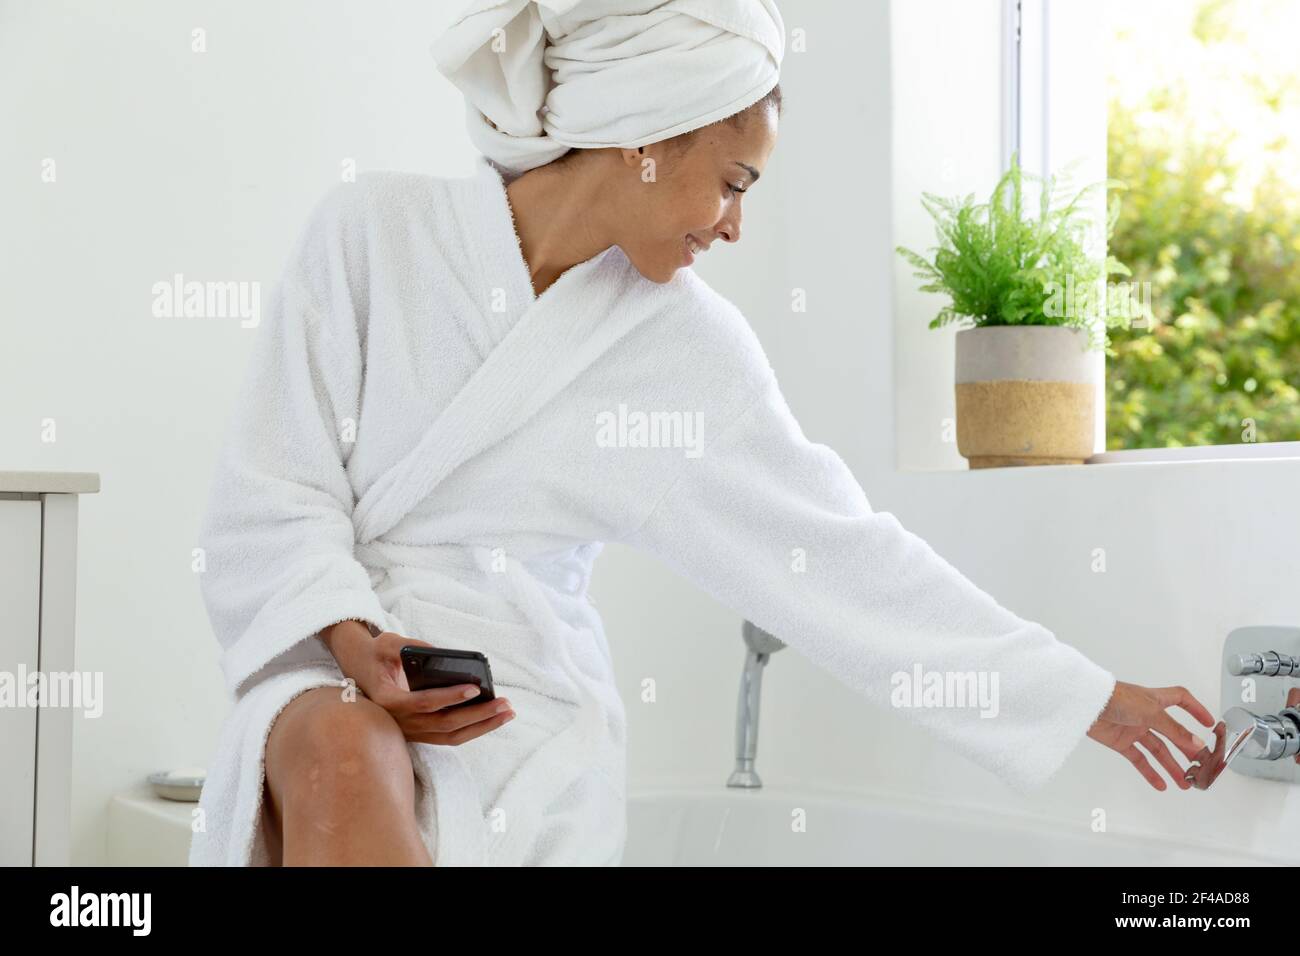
(52, 482)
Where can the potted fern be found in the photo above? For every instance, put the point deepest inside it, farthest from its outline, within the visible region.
(1027, 369)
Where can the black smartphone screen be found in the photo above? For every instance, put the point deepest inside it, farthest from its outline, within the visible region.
(427, 667)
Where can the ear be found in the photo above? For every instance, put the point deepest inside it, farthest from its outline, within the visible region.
(632, 156)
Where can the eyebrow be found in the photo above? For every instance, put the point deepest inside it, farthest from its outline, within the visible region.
(749, 169)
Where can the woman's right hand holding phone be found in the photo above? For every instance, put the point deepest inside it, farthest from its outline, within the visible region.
(425, 716)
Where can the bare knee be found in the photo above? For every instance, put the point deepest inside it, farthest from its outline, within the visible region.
(327, 751)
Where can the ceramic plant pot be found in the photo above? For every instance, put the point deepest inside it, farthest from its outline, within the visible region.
(1026, 395)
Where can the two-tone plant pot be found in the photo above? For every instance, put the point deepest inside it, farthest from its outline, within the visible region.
(1026, 395)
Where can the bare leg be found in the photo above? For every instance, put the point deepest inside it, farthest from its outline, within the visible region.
(341, 785)
(271, 827)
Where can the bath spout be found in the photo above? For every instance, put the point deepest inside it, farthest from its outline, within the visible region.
(759, 647)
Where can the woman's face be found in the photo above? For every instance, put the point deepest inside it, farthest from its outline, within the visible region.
(688, 191)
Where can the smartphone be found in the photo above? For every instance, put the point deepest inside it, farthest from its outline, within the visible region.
(427, 667)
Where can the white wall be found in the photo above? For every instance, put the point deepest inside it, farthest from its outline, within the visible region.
(945, 139)
(206, 164)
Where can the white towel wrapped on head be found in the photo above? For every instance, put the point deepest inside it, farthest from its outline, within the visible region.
(541, 76)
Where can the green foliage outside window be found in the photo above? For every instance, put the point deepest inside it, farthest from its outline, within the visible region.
(1220, 363)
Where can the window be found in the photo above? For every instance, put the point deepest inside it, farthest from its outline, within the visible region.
(1201, 102)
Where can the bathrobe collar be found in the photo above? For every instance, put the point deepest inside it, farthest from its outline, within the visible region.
(503, 238)
(555, 337)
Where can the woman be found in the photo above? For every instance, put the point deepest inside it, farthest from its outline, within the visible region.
(447, 413)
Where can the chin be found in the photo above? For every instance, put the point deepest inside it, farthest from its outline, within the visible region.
(660, 272)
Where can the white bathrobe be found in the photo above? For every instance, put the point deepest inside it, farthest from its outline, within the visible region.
(423, 443)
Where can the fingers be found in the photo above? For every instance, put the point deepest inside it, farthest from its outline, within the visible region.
(1182, 697)
(464, 734)
(1139, 761)
(1156, 747)
(448, 721)
(1178, 735)
(419, 702)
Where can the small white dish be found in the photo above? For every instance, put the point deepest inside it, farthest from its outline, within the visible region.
(184, 785)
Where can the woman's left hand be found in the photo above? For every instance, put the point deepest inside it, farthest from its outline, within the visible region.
(1136, 715)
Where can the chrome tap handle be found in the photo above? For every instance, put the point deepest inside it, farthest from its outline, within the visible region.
(1282, 739)
(1269, 664)
(1243, 734)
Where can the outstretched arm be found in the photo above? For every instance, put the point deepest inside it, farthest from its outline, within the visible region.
(776, 528)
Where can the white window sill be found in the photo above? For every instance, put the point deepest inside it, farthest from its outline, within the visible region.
(1202, 455)
(1246, 450)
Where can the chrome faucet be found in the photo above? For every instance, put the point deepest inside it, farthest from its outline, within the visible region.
(759, 648)
(1243, 734)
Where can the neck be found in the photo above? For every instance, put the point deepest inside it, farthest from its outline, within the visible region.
(556, 211)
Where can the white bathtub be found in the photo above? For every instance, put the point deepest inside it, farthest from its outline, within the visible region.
(725, 827)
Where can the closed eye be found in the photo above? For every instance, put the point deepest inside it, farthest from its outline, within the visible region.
(736, 189)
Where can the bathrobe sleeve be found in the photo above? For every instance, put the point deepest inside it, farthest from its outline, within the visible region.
(777, 528)
(277, 536)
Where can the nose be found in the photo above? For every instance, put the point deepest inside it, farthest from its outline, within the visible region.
(728, 228)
